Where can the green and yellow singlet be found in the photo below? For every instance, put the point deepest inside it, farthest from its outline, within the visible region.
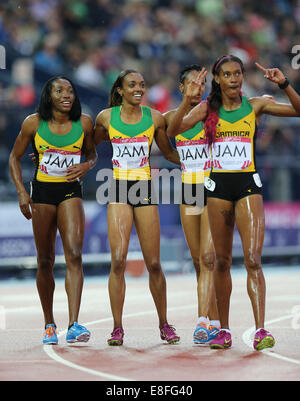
(131, 145)
(55, 153)
(234, 147)
(194, 155)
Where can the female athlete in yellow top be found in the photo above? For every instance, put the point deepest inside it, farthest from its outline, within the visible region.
(234, 186)
(131, 128)
(196, 165)
(60, 134)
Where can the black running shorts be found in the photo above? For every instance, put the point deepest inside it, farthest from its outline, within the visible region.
(53, 193)
(233, 186)
(134, 193)
(193, 195)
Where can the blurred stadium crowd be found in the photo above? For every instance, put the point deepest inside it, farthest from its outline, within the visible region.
(90, 41)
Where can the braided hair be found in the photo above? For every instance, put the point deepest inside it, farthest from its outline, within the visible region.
(214, 99)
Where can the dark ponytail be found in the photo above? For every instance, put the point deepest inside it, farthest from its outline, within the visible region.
(214, 99)
(115, 99)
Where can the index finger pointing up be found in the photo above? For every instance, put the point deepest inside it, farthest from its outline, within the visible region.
(261, 67)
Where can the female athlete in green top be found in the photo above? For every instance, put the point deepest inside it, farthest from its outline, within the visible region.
(59, 133)
(131, 128)
(196, 165)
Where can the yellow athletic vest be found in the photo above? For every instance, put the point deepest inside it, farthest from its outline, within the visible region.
(131, 145)
(234, 147)
(195, 156)
(55, 153)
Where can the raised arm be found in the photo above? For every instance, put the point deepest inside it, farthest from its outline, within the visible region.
(25, 136)
(182, 120)
(276, 76)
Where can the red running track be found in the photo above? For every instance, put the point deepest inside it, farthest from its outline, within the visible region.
(144, 357)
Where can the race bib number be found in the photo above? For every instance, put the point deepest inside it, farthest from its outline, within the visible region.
(209, 184)
(257, 180)
(55, 162)
(233, 154)
(130, 153)
(194, 156)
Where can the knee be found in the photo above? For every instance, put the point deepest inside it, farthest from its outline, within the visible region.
(118, 265)
(252, 262)
(223, 263)
(45, 262)
(154, 267)
(74, 257)
(207, 260)
(196, 264)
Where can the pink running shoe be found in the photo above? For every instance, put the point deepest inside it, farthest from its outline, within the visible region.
(222, 340)
(263, 339)
(167, 333)
(116, 337)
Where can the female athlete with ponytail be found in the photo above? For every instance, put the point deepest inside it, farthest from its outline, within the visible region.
(131, 128)
(234, 188)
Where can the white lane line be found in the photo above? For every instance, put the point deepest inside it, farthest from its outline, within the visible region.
(50, 352)
(248, 340)
(49, 349)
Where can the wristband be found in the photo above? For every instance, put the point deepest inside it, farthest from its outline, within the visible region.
(285, 84)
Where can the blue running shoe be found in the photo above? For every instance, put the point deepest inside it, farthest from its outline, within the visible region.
(201, 334)
(213, 332)
(77, 333)
(50, 335)
(204, 334)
